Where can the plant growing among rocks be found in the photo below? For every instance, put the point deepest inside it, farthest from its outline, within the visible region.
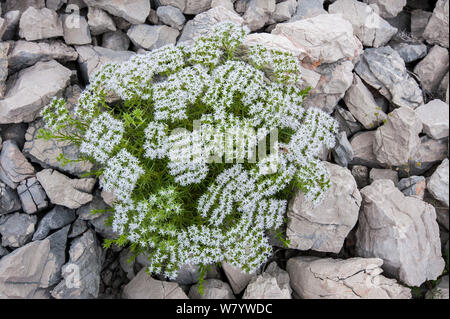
(156, 125)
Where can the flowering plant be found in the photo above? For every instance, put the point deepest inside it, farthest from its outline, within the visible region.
(156, 126)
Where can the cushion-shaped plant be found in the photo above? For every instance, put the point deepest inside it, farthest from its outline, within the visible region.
(174, 133)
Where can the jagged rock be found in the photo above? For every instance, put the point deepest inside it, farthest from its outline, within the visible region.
(228, 4)
(432, 69)
(362, 144)
(346, 120)
(23, 5)
(27, 272)
(9, 200)
(308, 9)
(440, 291)
(436, 31)
(279, 42)
(61, 190)
(24, 100)
(419, 21)
(57, 218)
(17, 229)
(212, 289)
(117, 41)
(435, 118)
(46, 152)
(443, 89)
(38, 24)
(258, 13)
(388, 8)
(362, 105)
(81, 275)
(368, 26)
(430, 152)
(384, 69)
(134, 11)
(326, 38)
(413, 186)
(150, 37)
(325, 227)
(79, 226)
(76, 29)
(55, 4)
(3, 26)
(12, 19)
(354, 278)
(236, 277)
(180, 4)
(410, 52)
(14, 167)
(91, 58)
(196, 6)
(99, 21)
(85, 211)
(438, 183)
(15, 133)
(171, 16)
(101, 228)
(271, 284)
(32, 196)
(405, 236)
(188, 275)
(145, 287)
(203, 23)
(379, 173)
(4, 48)
(361, 175)
(3, 251)
(397, 141)
(24, 54)
(342, 152)
(284, 10)
(335, 79)
(128, 267)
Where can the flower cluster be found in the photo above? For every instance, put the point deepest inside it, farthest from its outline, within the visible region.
(178, 148)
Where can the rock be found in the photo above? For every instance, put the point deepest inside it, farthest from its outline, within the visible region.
(134, 11)
(25, 99)
(188, 275)
(145, 287)
(342, 152)
(413, 186)
(362, 105)
(32, 196)
(12, 19)
(326, 38)
(85, 212)
(101, 228)
(419, 21)
(9, 200)
(15, 133)
(436, 31)
(38, 24)
(362, 144)
(354, 278)
(76, 29)
(438, 183)
(410, 52)
(212, 289)
(272, 284)
(171, 16)
(236, 277)
(241, 6)
(335, 79)
(91, 58)
(61, 190)
(368, 26)
(14, 167)
(196, 6)
(377, 173)
(99, 21)
(284, 10)
(180, 4)
(78, 228)
(388, 8)
(4, 48)
(127, 262)
(432, 69)
(24, 54)
(384, 69)
(55, 4)
(228, 4)
(203, 23)
(28, 271)
(405, 236)
(3, 26)
(327, 230)
(16, 229)
(440, 291)
(346, 120)
(57, 218)
(3, 251)
(443, 89)
(435, 118)
(46, 152)
(23, 5)
(150, 37)
(81, 275)
(361, 175)
(308, 9)
(258, 13)
(117, 41)
(280, 42)
(397, 141)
